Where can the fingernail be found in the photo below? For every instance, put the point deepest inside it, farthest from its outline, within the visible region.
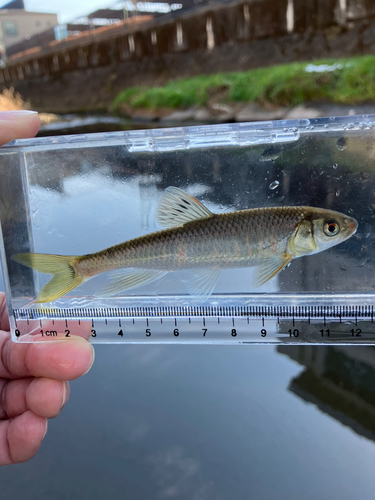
(91, 363)
(45, 432)
(16, 114)
(65, 393)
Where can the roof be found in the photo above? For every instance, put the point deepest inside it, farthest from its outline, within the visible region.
(14, 4)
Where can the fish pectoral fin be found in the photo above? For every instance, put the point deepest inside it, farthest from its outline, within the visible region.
(201, 282)
(127, 278)
(177, 208)
(269, 268)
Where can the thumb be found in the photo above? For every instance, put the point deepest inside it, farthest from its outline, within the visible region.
(18, 124)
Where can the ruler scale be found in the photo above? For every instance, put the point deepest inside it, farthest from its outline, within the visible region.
(284, 324)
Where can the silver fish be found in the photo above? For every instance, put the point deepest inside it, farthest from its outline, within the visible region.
(265, 238)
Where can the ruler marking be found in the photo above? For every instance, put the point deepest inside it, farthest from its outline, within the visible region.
(324, 314)
(356, 316)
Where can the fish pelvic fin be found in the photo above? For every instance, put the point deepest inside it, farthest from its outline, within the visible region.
(64, 277)
(269, 268)
(177, 208)
(201, 282)
(127, 278)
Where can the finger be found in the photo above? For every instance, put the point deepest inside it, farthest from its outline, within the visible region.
(44, 397)
(21, 437)
(18, 125)
(65, 360)
(4, 318)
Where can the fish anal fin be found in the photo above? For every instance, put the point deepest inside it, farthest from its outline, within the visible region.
(201, 282)
(268, 269)
(177, 208)
(129, 278)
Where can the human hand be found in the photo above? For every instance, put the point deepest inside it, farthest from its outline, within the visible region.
(33, 377)
(33, 387)
(18, 125)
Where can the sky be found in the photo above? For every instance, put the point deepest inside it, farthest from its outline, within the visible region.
(67, 10)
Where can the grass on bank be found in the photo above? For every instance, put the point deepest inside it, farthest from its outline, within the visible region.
(353, 81)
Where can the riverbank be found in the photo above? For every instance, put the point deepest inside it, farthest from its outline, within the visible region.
(298, 90)
(226, 113)
(291, 91)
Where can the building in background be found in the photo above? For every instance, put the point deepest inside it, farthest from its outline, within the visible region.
(17, 24)
(118, 11)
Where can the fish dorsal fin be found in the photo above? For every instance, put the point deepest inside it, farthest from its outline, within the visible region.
(177, 208)
(269, 267)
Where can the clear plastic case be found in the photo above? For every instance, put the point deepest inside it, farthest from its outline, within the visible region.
(76, 195)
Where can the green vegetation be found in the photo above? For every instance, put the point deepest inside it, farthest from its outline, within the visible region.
(353, 81)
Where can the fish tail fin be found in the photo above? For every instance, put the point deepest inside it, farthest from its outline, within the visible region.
(64, 277)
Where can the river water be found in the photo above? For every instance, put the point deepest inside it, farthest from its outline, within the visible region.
(218, 422)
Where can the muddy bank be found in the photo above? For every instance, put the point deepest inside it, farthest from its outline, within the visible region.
(229, 113)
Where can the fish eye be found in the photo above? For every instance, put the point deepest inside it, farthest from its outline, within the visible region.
(331, 228)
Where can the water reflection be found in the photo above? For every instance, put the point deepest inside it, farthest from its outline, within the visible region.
(340, 381)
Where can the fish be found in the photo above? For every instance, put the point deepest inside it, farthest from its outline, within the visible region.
(200, 241)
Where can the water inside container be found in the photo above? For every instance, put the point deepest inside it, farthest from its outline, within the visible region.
(80, 195)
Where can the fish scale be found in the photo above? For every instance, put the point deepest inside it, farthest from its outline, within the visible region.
(212, 239)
